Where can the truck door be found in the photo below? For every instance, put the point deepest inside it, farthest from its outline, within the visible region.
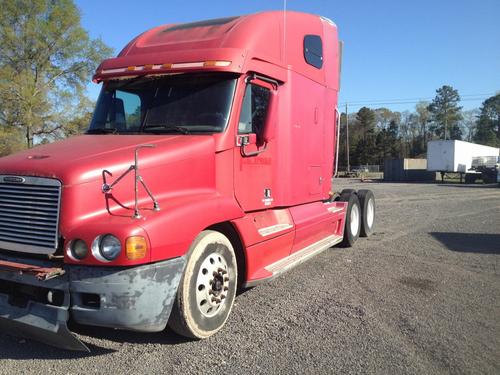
(253, 161)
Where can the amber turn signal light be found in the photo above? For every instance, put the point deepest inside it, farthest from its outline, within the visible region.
(137, 247)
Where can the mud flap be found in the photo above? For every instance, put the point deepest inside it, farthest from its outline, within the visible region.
(44, 323)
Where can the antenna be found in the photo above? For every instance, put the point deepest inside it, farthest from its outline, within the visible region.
(284, 32)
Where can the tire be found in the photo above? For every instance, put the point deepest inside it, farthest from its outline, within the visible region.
(207, 288)
(487, 178)
(347, 191)
(352, 224)
(367, 202)
(470, 178)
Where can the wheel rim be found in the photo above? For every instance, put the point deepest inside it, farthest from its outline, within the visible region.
(355, 219)
(212, 284)
(370, 213)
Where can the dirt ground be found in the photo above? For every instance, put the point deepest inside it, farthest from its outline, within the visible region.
(422, 295)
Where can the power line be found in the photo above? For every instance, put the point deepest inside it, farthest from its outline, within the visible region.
(464, 98)
(404, 102)
(416, 98)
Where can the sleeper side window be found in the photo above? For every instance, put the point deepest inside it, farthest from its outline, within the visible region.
(313, 50)
(254, 110)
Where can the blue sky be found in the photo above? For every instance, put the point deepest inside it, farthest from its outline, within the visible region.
(393, 50)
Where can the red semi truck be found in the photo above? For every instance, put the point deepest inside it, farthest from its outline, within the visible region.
(207, 167)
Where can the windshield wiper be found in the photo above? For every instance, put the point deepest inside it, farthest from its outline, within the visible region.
(159, 129)
(102, 131)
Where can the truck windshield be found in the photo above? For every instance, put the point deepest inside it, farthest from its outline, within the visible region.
(183, 103)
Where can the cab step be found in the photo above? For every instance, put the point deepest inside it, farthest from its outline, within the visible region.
(301, 256)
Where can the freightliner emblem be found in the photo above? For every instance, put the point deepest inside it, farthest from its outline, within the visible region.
(14, 180)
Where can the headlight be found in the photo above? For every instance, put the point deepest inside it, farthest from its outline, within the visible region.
(78, 249)
(106, 247)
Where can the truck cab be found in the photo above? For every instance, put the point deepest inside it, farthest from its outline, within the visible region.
(207, 166)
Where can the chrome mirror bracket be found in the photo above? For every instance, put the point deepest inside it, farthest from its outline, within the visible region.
(107, 188)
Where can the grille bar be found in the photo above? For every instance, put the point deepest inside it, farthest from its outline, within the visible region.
(18, 217)
(12, 210)
(27, 199)
(29, 214)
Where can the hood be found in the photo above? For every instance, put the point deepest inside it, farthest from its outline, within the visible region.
(82, 159)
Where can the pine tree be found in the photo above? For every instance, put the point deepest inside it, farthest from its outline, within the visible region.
(446, 113)
(488, 126)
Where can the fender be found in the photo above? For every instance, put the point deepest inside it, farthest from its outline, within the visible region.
(174, 228)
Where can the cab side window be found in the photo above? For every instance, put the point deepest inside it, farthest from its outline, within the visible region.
(313, 50)
(254, 110)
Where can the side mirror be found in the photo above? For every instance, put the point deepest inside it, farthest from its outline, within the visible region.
(271, 117)
(119, 113)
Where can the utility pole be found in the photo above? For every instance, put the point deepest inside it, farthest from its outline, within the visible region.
(445, 123)
(347, 138)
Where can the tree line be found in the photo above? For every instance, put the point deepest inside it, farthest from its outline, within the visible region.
(46, 61)
(378, 134)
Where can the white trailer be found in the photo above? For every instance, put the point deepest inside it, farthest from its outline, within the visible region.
(455, 156)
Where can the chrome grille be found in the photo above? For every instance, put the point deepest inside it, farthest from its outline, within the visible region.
(29, 214)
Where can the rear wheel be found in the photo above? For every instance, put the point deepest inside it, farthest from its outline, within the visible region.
(207, 289)
(470, 178)
(347, 191)
(367, 202)
(488, 178)
(352, 226)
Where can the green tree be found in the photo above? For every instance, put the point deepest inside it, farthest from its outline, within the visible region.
(423, 117)
(383, 117)
(488, 125)
(387, 145)
(366, 121)
(46, 58)
(11, 140)
(469, 123)
(80, 119)
(446, 113)
(364, 137)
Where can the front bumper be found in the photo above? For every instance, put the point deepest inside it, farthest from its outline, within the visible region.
(135, 298)
(138, 298)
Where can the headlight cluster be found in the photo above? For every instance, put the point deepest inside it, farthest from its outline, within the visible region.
(107, 248)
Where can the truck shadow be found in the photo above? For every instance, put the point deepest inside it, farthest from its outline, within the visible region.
(16, 348)
(166, 337)
(476, 186)
(483, 243)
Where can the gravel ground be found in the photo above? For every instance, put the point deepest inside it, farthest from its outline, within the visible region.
(422, 295)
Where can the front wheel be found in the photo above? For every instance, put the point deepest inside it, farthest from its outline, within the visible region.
(207, 289)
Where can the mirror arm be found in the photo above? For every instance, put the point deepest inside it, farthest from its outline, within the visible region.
(244, 153)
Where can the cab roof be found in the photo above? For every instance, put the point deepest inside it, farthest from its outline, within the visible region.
(269, 41)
